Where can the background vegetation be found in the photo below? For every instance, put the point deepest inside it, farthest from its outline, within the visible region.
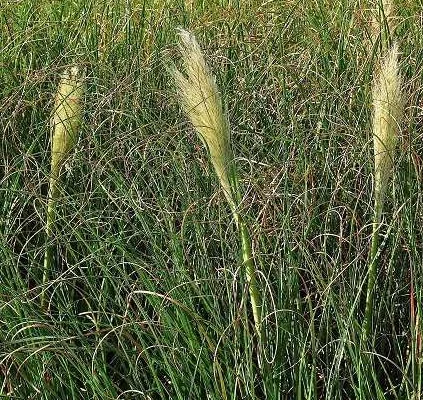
(146, 299)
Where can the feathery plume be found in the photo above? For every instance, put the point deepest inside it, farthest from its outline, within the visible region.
(387, 113)
(201, 101)
(388, 108)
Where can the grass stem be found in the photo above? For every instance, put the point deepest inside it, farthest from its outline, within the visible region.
(66, 121)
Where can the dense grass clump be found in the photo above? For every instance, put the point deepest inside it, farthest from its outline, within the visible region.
(145, 296)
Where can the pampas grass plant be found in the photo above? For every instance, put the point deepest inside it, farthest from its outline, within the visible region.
(201, 101)
(387, 113)
(66, 121)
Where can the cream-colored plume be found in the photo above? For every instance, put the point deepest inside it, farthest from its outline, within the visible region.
(202, 103)
(388, 108)
(66, 118)
(387, 113)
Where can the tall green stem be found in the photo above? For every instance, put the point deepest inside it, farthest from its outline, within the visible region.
(201, 100)
(250, 273)
(66, 121)
(387, 113)
(53, 193)
(372, 273)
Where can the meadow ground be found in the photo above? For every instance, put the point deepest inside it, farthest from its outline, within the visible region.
(147, 298)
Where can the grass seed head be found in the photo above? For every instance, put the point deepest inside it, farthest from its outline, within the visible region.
(202, 103)
(388, 109)
(67, 117)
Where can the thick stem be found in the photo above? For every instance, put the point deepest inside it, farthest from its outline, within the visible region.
(373, 265)
(372, 272)
(53, 193)
(250, 274)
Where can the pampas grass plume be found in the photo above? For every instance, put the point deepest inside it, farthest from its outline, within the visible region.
(202, 103)
(388, 109)
(66, 122)
(387, 113)
(66, 118)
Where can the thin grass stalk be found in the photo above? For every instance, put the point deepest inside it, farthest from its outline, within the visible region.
(383, 24)
(387, 112)
(66, 121)
(416, 343)
(201, 101)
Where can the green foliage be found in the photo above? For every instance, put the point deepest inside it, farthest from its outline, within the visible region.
(145, 298)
